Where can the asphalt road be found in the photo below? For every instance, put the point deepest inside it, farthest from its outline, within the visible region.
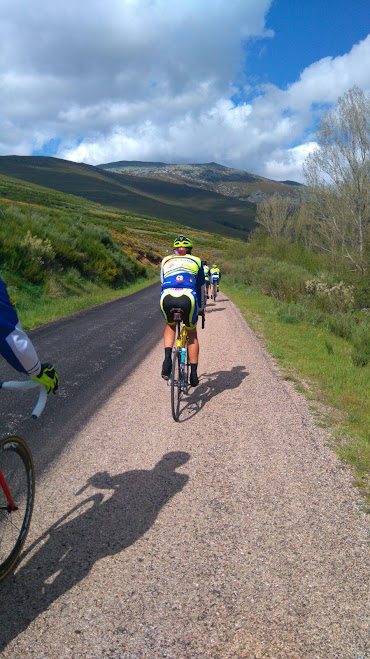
(94, 351)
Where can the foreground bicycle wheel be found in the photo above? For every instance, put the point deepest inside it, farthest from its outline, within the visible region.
(176, 385)
(17, 475)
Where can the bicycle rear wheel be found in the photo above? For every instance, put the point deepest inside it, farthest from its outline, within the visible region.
(18, 471)
(214, 292)
(176, 385)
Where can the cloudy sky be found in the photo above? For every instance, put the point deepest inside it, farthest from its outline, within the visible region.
(239, 82)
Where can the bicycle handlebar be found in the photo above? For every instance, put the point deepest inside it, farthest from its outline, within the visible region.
(29, 384)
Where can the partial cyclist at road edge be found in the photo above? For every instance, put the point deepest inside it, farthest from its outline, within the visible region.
(206, 277)
(182, 278)
(17, 348)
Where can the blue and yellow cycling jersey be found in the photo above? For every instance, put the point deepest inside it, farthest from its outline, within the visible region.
(183, 272)
(215, 274)
(206, 272)
(15, 346)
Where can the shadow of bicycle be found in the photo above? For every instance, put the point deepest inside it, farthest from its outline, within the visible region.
(97, 527)
(211, 384)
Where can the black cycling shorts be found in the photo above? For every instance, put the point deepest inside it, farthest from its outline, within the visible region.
(187, 301)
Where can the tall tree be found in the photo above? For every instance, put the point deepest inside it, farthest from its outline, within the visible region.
(338, 177)
(275, 215)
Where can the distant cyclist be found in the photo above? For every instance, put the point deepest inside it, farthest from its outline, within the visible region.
(17, 348)
(206, 277)
(215, 276)
(182, 278)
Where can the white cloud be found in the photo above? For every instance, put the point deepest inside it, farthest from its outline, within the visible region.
(257, 136)
(152, 80)
(287, 164)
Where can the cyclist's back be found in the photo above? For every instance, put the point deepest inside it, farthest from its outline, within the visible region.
(182, 278)
(181, 271)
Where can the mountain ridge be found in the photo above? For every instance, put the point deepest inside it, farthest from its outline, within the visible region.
(227, 181)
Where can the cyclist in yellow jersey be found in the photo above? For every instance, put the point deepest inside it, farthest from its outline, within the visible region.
(182, 278)
(215, 275)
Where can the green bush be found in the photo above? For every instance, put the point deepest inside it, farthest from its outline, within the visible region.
(43, 246)
(275, 278)
(361, 291)
(361, 342)
(290, 313)
(282, 249)
(341, 324)
(330, 296)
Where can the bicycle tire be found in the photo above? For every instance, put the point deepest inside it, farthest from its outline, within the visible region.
(187, 369)
(214, 292)
(176, 385)
(17, 466)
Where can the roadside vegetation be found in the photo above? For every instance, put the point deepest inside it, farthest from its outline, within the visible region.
(60, 253)
(302, 280)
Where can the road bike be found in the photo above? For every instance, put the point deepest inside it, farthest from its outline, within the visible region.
(179, 379)
(17, 486)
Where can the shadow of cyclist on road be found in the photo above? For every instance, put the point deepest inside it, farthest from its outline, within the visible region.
(95, 528)
(211, 384)
(213, 308)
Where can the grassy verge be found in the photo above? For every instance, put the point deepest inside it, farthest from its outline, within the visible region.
(33, 313)
(320, 363)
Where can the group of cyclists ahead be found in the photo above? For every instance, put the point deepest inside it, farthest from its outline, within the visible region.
(186, 282)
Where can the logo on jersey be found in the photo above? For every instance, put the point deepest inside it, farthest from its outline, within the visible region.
(179, 278)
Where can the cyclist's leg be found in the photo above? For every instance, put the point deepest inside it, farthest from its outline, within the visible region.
(167, 302)
(169, 335)
(193, 346)
(191, 327)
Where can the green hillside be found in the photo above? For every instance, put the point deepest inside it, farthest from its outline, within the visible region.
(60, 252)
(177, 202)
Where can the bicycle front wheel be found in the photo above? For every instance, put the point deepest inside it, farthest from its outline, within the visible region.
(176, 385)
(18, 480)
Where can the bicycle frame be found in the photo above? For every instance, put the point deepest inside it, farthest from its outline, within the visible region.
(182, 340)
